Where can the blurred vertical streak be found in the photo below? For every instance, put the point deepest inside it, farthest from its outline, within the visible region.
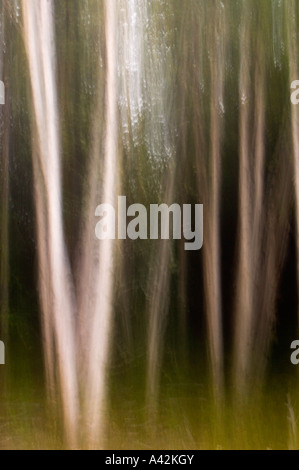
(100, 324)
(209, 62)
(57, 298)
(293, 49)
(273, 250)
(88, 257)
(211, 252)
(277, 31)
(263, 215)
(4, 185)
(244, 292)
(158, 292)
(44, 278)
(191, 22)
(271, 206)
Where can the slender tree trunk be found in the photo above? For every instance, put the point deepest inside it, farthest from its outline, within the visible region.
(40, 47)
(100, 324)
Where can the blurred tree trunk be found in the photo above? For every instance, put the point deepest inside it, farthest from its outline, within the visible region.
(4, 190)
